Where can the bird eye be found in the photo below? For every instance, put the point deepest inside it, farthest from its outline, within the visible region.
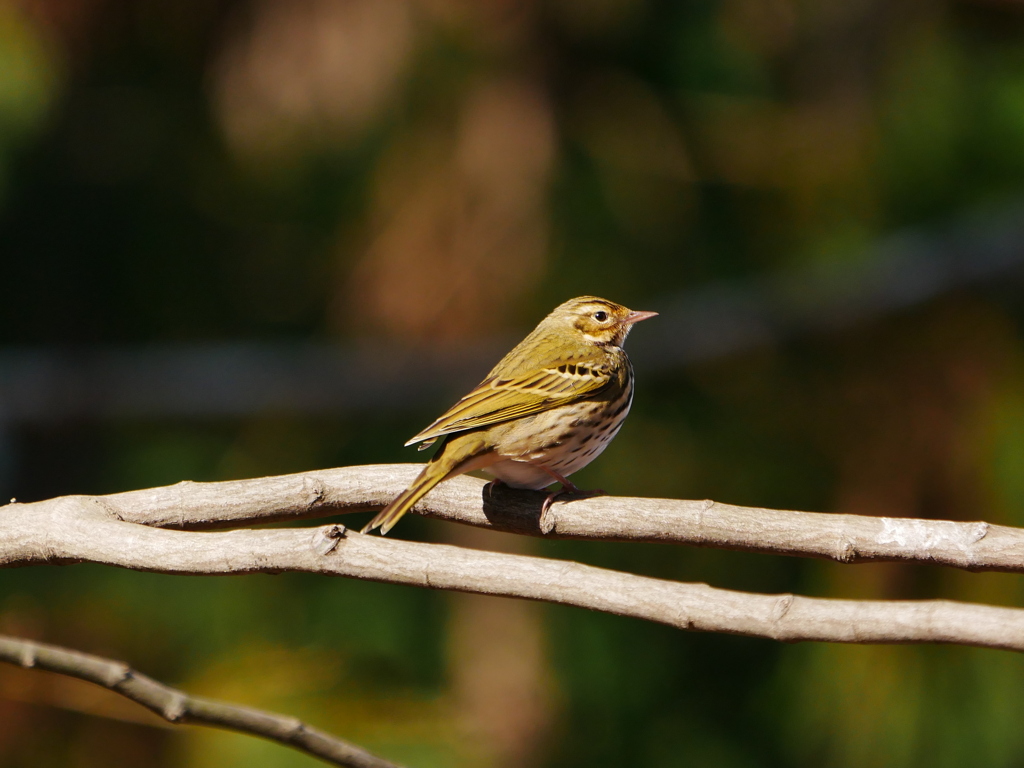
(600, 316)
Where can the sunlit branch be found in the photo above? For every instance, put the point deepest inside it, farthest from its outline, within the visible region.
(178, 707)
(975, 546)
(96, 529)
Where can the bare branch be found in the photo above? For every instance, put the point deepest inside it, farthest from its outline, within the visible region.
(178, 707)
(76, 529)
(975, 546)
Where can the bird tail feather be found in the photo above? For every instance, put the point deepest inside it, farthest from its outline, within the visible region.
(431, 475)
(454, 458)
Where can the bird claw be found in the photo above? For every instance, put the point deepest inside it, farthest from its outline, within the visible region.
(547, 502)
(568, 489)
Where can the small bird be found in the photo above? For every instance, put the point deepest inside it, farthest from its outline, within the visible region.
(546, 410)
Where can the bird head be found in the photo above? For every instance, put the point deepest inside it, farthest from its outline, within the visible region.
(598, 321)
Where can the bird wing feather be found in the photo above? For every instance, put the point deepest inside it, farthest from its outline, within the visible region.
(499, 399)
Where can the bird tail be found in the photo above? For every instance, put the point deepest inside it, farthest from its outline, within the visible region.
(455, 457)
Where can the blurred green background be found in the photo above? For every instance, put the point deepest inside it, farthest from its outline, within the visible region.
(823, 199)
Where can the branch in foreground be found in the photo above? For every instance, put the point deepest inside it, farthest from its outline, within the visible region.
(974, 546)
(178, 707)
(85, 529)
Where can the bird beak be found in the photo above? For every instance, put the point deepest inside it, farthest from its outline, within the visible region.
(636, 317)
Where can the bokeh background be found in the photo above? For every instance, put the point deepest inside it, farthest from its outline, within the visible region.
(249, 237)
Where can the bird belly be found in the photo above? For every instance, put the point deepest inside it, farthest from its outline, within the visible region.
(520, 474)
(563, 440)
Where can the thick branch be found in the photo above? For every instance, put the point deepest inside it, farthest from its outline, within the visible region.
(178, 707)
(74, 529)
(974, 546)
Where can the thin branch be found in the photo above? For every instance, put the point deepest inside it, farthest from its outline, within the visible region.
(89, 529)
(974, 546)
(178, 707)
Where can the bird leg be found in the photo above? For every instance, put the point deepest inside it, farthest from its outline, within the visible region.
(568, 488)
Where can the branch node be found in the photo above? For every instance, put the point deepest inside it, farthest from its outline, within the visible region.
(705, 507)
(29, 655)
(182, 490)
(779, 610)
(116, 674)
(326, 539)
(294, 729)
(314, 491)
(846, 551)
(176, 707)
(980, 531)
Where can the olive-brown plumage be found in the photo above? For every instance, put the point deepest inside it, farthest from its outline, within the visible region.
(546, 410)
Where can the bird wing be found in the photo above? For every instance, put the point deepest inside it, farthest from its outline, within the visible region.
(502, 398)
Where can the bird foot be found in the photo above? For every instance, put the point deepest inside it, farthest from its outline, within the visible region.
(568, 489)
(489, 488)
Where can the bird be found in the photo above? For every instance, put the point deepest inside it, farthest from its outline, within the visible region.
(548, 409)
